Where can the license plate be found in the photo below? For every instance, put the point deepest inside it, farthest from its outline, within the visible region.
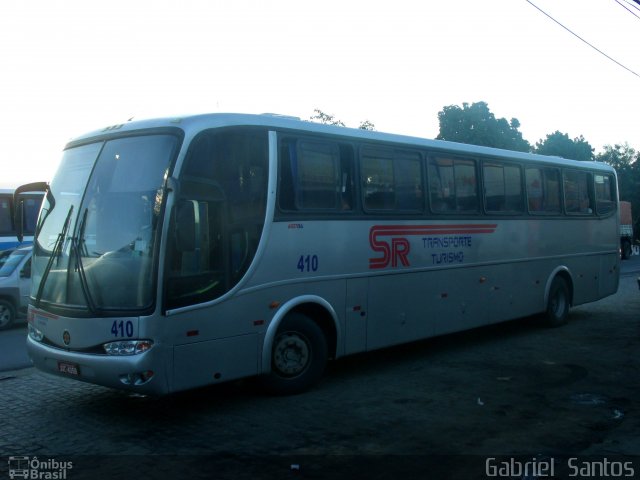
(68, 368)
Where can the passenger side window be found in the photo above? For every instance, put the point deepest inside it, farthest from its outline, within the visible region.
(391, 180)
(577, 197)
(378, 186)
(503, 188)
(453, 185)
(315, 175)
(409, 190)
(6, 220)
(605, 194)
(543, 190)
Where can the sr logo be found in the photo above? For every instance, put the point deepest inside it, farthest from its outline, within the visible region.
(394, 252)
(393, 246)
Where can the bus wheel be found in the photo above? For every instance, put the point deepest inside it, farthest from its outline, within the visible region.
(298, 356)
(558, 303)
(7, 314)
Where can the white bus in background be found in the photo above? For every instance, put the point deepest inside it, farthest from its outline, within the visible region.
(176, 253)
(8, 235)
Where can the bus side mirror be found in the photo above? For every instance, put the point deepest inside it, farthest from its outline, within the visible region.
(18, 201)
(18, 218)
(186, 225)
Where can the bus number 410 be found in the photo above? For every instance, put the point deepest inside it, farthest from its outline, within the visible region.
(119, 329)
(308, 263)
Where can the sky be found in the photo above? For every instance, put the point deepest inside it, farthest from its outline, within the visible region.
(72, 66)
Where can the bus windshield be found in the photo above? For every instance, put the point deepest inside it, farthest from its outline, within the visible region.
(97, 229)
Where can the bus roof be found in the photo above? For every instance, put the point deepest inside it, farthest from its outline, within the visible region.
(193, 124)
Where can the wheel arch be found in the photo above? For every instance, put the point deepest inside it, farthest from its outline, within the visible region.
(318, 310)
(564, 273)
(11, 300)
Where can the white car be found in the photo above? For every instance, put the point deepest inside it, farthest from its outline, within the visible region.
(15, 284)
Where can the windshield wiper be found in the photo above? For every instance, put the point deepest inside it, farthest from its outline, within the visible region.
(78, 245)
(80, 238)
(55, 254)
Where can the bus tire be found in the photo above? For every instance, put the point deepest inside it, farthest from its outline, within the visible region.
(558, 303)
(7, 314)
(298, 356)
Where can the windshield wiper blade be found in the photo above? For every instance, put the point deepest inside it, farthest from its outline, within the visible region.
(80, 238)
(77, 246)
(55, 254)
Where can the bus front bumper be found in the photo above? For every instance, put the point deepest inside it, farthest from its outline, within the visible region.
(143, 373)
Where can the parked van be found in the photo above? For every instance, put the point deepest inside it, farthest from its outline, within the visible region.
(15, 284)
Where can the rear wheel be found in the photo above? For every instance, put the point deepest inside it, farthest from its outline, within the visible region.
(558, 303)
(298, 356)
(7, 314)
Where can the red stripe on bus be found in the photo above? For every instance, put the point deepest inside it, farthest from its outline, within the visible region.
(432, 229)
(42, 313)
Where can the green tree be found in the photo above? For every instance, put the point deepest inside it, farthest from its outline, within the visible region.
(621, 157)
(475, 124)
(560, 145)
(367, 125)
(327, 119)
(626, 161)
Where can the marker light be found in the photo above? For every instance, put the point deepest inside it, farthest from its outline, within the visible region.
(127, 347)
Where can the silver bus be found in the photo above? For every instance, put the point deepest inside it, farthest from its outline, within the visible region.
(176, 253)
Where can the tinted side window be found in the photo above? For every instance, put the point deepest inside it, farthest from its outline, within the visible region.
(6, 220)
(217, 222)
(605, 194)
(315, 175)
(391, 180)
(453, 185)
(503, 188)
(543, 190)
(378, 185)
(577, 196)
(409, 191)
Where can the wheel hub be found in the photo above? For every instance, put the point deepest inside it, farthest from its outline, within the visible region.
(291, 354)
(5, 316)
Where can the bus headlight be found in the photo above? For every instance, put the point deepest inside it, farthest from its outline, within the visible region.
(35, 334)
(127, 347)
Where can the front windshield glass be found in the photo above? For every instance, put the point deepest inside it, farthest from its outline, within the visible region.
(9, 261)
(109, 193)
